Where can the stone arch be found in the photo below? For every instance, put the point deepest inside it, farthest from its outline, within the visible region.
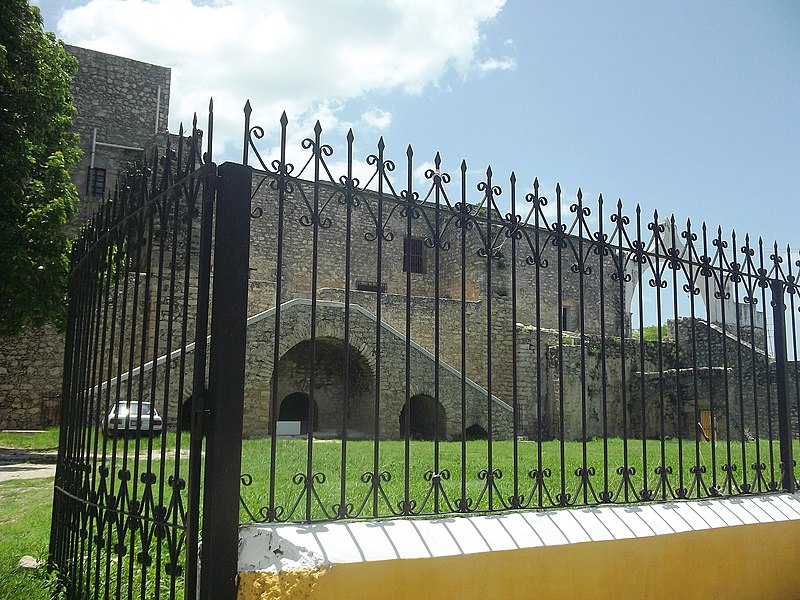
(329, 385)
(422, 418)
(296, 325)
(476, 432)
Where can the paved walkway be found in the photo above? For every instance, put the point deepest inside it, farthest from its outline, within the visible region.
(26, 471)
(17, 463)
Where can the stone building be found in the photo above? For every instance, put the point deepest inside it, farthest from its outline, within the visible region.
(417, 285)
(560, 343)
(122, 104)
(543, 324)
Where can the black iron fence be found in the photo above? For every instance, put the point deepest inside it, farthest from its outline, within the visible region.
(511, 351)
(398, 339)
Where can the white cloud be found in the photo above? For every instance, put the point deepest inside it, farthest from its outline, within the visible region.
(493, 64)
(423, 183)
(304, 56)
(376, 118)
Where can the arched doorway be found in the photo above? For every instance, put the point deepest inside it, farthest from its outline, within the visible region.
(476, 432)
(338, 377)
(294, 407)
(425, 412)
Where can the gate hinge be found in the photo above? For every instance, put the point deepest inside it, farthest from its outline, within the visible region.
(199, 414)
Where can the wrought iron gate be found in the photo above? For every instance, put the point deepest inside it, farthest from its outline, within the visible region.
(127, 502)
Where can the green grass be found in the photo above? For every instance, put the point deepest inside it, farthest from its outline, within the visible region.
(26, 515)
(25, 518)
(327, 458)
(25, 529)
(25, 522)
(36, 440)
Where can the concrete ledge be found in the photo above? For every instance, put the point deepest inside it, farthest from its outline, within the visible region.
(732, 548)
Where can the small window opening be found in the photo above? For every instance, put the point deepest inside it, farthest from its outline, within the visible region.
(414, 255)
(370, 286)
(568, 318)
(96, 182)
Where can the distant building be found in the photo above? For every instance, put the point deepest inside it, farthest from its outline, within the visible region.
(121, 105)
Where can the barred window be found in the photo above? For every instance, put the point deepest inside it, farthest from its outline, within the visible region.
(414, 255)
(96, 182)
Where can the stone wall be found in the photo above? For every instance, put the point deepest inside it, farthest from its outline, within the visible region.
(474, 318)
(328, 387)
(127, 102)
(31, 374)
(162, 378)
(748, 393)
(460, 265)
(574, 387)
(577, 388)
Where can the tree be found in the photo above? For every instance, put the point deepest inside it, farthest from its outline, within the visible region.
(37, 150)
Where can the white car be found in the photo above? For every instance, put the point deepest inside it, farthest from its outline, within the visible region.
(133, 418)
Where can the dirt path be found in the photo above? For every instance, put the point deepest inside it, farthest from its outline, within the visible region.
(18, 463)
(17, 471)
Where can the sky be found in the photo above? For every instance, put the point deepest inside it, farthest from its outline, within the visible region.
(685, 107)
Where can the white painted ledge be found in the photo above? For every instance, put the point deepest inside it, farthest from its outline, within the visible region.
(290, 546)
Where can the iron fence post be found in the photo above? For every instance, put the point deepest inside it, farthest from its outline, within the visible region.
(784, 430)
(197, 405)
(219, 556)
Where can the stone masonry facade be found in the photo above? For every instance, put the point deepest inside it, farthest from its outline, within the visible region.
(121, 105)
(556, 345)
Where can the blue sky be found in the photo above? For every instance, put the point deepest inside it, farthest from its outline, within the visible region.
(686, 107)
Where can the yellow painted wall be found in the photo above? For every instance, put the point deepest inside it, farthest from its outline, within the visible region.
(759, 562)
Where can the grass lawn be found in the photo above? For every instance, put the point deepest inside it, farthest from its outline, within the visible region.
(25, 529)
(41, 441)
(601, 473)
(25, 517)
(25, 523)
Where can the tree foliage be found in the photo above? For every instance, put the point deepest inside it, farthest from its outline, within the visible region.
(37, 151)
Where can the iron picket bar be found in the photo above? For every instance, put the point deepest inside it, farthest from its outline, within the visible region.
(788, 482)
(225, 401)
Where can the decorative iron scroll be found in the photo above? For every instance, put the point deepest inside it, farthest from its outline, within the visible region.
(520, 296)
